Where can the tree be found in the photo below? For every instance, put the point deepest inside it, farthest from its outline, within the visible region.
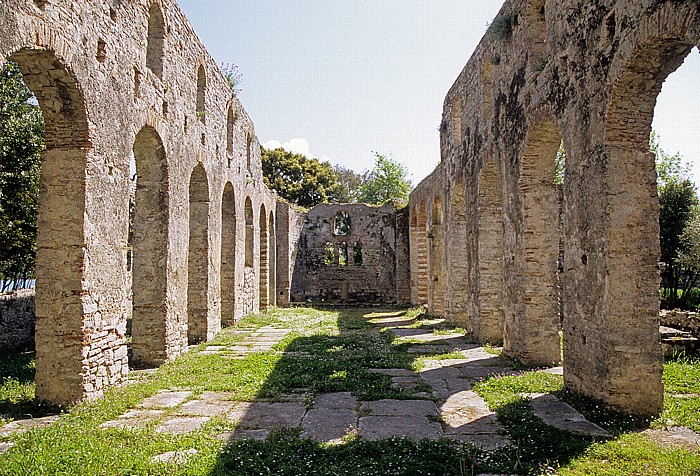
(385, 183)
(303, 181)
(689, 258)
(21, 145)
(347, 186)
(677, 201)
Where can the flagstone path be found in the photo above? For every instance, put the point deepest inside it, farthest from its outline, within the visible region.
(449, 409)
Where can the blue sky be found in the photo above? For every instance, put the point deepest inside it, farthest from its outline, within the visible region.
(339, 79)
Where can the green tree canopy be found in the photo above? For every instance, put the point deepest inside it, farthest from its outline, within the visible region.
(385, 183)
(21, 144)
(303, 181)
(677, 205)
(347, 186)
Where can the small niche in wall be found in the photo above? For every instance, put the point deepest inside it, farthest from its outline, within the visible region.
(357, 253)
(329, 254)
(343, 254)
(343, 224)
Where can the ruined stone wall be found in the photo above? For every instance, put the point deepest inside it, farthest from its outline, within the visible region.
(683, 320)
(586, 73)
(290, 223)
(322, 271)
(116, 80)
(17, 317)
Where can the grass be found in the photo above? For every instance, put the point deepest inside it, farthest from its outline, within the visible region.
(333, 350)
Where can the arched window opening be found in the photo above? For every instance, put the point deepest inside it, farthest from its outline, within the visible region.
(343, 254)
(343, 224)
(198, 258)
(357, 253)
(264, 259)
(228, 255)
(272, 259)
(249, 232)
(329, 254)
(156, 40)
(201, 94)
(148, 240)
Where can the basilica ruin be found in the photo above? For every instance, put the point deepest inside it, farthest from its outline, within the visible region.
(479, 243)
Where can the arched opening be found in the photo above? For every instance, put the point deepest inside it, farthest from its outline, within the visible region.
(489, 326)
(357, 253)
(419, 258)
(156, 40)
(149, 247)
(342, 226)
(201, 94)
(272, 259)
(264, 263)
(627, 333)
(342, 254)
(228, 255)
(230, 123)
(61, 375)
(532, 320)
(249, 233)
(436, 301)
(456, 260)
(198, 259)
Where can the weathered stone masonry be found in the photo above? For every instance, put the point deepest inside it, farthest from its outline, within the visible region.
(588, 73)
(116, 79)
(352, 253)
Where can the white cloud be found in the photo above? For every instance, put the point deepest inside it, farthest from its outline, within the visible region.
(297, 146)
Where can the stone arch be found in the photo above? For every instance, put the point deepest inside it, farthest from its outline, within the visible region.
(201, 93)
(532, 321)
(198, 258)
(436, 290)
(249, 233)
(149, 245)
(625, 246)
(228, 255)
(419, 258)
(489, 326)
(60, 242)
(272, 259)
(264, 259)
(155, 45)
(457, 261)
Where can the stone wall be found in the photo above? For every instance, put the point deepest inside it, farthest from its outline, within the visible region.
(683, 320)
(364, 261)
(123, 81)
(290, 223)
(17, 318)
(586, 73)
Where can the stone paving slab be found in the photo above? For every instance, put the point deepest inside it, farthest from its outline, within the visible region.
(563, 416)
(205, 408)
(336, 400)
(270, 415)
(329, 425)
(16, 427)
(485, 441)
(406, 408)
(467, 412)
(165, 399)
(380, 427)
(181, 425)
(175, 457)
(133, 419)
(678, 437)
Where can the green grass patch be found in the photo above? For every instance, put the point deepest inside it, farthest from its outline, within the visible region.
(332, 350)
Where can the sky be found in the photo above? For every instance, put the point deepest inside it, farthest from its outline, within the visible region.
(342, 79)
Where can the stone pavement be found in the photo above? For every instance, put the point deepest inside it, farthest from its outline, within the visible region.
(444, 403)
